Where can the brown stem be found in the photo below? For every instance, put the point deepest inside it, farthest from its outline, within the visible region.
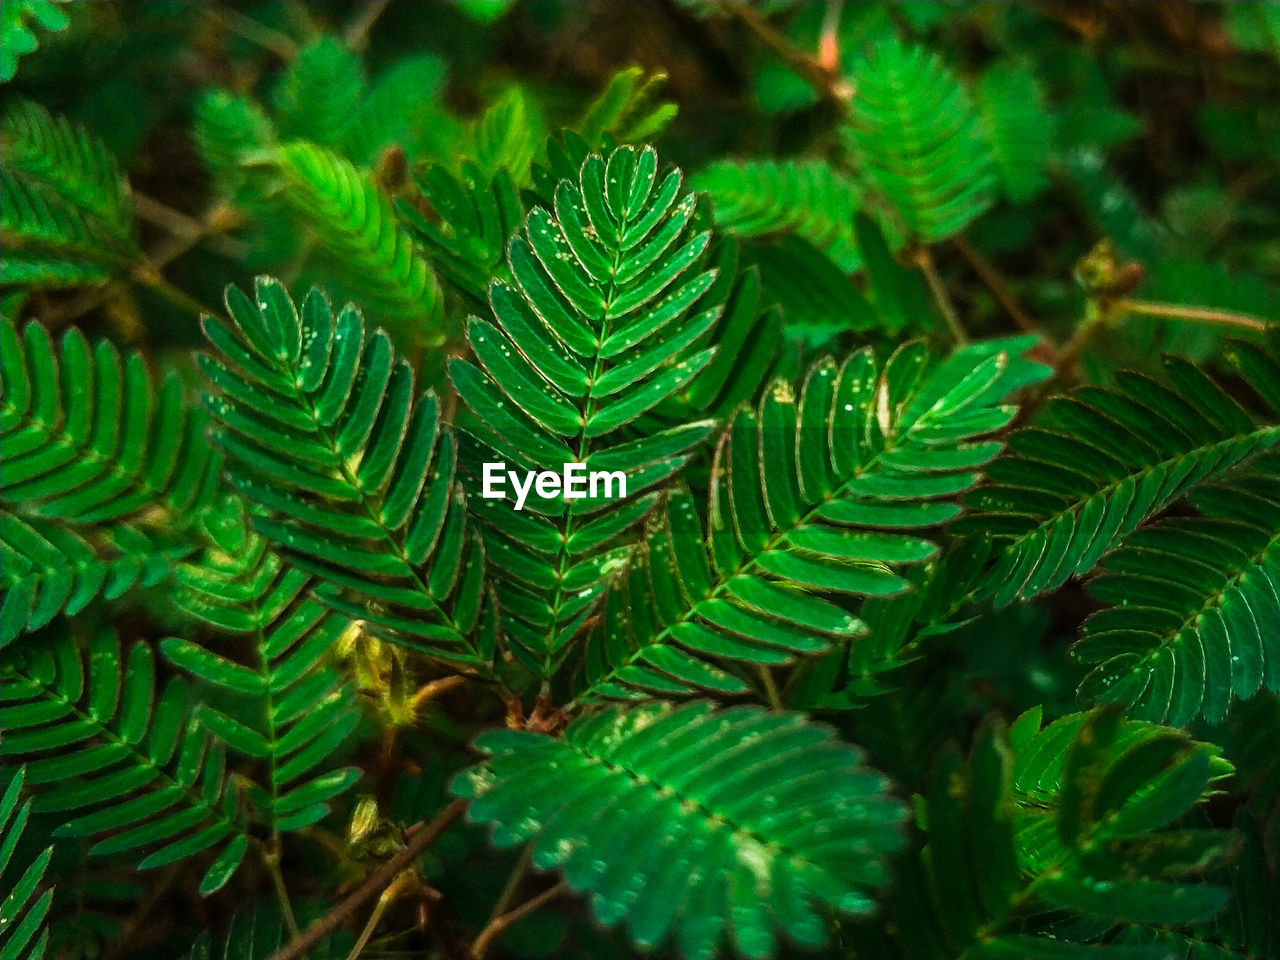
(826, 81)
(357, 32)
(380, 880)
(1205, 314)
(500, 925)
(995, 283)
(923, 258)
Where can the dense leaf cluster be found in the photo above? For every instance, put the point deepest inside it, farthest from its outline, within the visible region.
(940, 616)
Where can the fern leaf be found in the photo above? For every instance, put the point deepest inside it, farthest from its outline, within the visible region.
(1068, 820)
(87, 438)
(1019, 127)
(146, 771)
(355, 222)
(474, 218)
(289, 709)
(805, 197)
(506, 137)
(824, 494)
(403, 108)
(65, 211)
(317, 96)
(917, 141)
(606, 318)
(23, 910)
(229, 129)
(625, 111)
(50, 570)
(711, 787)
(1100, 462)
(69, 160)
(327, 434)
(1196, 615)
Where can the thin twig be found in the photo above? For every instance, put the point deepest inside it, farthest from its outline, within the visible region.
(500, 926)
(278, 43)
(380, 880)
(827, 82)
(771, 689)
(1205, 314)
(995, 283)
(387, 898)
(923, 258)
(429, 691)
(357, 32)
(512, 886)
(271, 857)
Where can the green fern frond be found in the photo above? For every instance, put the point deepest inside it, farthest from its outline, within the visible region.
(70, 161)
(1101, 461)
(65, 212)
(228, 129)
(50, 570)
(355, 223)
(288, 709)
(707, 786)
(917, 140)
(88, 439)
(625, 111)
(818, 301)
(23, 935)
(327, 434)
(403, 108)
(1020, 129)
(48, 244)
(824, 494)
(472, 219)
(16, 36)
(317, 96)
(745, 338)
(606, 318)
(142, 765)
(1195, 615)
(1069, 820)
(508, 135)
(805, 197)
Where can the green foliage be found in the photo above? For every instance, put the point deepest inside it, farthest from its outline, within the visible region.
(65, 212)
(939, 615)
(327, 433)
(603, 322)
(1020, 129)
(753, 198)
(355, 223)
(817, 494)
(16, 36)
(1098, 463)
(24, 907)
(1069, 819)
(142, 762)
(917, 141)
(288, 709)
(731, 861)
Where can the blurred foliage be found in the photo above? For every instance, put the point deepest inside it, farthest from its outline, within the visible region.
(249, 640)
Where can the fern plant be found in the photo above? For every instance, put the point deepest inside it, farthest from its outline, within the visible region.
(917, 602)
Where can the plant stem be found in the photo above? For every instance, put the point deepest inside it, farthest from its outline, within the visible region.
(387, 898)
(827, 82)
(271, 857)
(501, 924)
(924, 260)
(995, 283)
(380, 880)
(771, 689)
(512, 885)
(357, 32)
(1205, 314)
